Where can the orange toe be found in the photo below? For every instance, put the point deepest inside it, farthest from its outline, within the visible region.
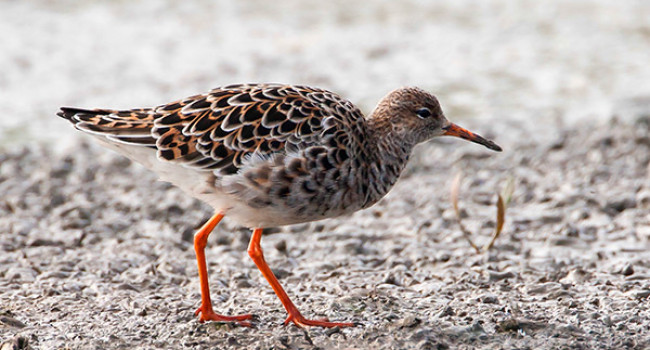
(301, 322)
(209, 315)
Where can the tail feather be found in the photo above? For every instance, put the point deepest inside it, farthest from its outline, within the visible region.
(70, 112)
(132, 127)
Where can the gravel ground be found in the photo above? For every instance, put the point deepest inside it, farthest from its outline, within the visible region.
(97, 254)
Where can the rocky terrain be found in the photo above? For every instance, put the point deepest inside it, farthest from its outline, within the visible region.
(95, 253)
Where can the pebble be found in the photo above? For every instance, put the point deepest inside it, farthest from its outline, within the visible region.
(447, 311)
(57, 275)
(281, 246)
(508, 325)
(544, 288)
(21, 274)
(41, 242)
(409, 322)
(639, 293)
(489, 299)
(11, 322)
(576, 276)
(643, 198)
(628, 270)
(618, 205)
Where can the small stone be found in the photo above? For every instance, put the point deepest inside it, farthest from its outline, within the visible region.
(618, 205)
(188, 235)
(391, 279)
(55, 275)
(543, 288)
(333, 330)
(127, 286)
(40, 242)
(571, 231)
(558, 143)
(489, 299)
(281, 273)
(232, 341)
(63, 168)
(56, 200)
(509, 325)
(442, 257)
(639, 293)
(628, 270)
(475, 328)
(563, 241)
(550, 219)
(71, 224)
(447, 311)
(579, 214)
(281, 246)
(498, 276)
(409, 322)
(23, 274)
(576, 276)
(243, 284)
(643, 198)
(24, 227)
(11, 322)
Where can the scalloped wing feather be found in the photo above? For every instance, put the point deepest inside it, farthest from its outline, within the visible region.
(217, 131)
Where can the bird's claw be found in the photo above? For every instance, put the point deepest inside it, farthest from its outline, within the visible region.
(302, 322)
(206, 314)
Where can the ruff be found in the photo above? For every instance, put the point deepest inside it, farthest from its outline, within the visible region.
(269, 154)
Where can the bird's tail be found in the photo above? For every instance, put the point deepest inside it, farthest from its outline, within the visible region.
(131, 127)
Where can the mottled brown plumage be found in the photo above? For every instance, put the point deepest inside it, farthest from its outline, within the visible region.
(270, 154)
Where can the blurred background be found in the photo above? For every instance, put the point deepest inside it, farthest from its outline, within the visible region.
(531, 63)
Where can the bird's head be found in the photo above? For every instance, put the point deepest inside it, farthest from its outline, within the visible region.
(415, 115)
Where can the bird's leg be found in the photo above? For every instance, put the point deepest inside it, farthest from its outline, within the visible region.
(205, 311)
(255, 252)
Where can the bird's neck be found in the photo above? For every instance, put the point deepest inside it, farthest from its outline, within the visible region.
(390, 152)
(393, 143)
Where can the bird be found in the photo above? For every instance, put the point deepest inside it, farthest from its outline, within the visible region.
(268, 154)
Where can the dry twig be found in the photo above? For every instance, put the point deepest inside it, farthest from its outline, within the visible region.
(455, 190)
(503, 199)
(501, 211)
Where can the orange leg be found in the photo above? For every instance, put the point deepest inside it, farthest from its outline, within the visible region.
(255, 252)
(205, 311)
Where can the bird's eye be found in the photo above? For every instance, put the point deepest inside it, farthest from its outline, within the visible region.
(423, 113)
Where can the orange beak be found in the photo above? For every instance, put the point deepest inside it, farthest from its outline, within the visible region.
(455, 130)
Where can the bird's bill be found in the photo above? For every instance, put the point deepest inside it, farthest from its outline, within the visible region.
(455, 130)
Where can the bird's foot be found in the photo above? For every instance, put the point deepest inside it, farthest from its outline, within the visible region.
(301, 322)
(206, 314)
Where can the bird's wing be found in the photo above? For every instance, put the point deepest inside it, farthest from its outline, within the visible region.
(218, 130)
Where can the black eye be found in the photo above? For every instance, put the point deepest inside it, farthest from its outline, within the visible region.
(423, 113)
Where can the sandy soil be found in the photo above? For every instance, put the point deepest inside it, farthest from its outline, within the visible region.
(97, 254)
